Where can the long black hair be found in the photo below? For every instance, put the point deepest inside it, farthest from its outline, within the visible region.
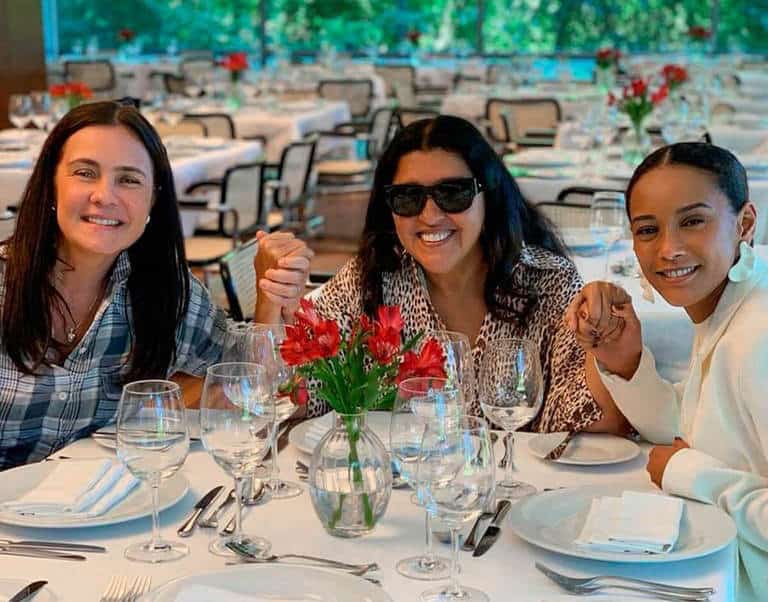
(510, 222)
(729, 173)
(158, 284)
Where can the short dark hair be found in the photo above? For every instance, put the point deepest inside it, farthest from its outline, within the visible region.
(510, 222)
(730, 175)
(158, 285)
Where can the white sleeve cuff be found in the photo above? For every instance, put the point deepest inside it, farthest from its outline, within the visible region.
(684, 468)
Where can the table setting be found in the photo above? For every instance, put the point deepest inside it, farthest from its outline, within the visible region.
(80, 507)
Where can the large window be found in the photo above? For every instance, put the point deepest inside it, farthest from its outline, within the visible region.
(392, 26)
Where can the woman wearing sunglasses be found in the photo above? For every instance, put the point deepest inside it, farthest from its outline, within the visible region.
(692, 228)
(449, 238)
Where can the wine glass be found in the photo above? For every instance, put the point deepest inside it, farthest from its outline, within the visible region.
(459, 367)
(237, 421)
(419, 401)
(153, 442)
(264, 345)
(20, 110)
(40, 109)
(455, 475)
(607, 221)
(511, 395)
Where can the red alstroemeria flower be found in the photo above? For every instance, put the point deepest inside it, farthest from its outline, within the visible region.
(638, 87)
(384, 345)
(611, 99)
(306, 316)
(327, 338)
(428, 362)
(126, 34)
(236, 61)
(58, 90)
(298, 349)
(660, 94)
(389, 317)
(699, 32)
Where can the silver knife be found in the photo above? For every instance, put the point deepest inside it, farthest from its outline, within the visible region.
(494, 529)
(52, 545)
(27, 592)
(189, 525)
(40, 553)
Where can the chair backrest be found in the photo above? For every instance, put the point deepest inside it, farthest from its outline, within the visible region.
(217, 124)
(406, 116)
(357, 92)
(174, 84)
(522, 114)
(185, 127)
(194, 69)
(295, 168)
(239, 280)
(566, 215)
(98, 75)
(243, 189)
(405, 75)
(381, 130)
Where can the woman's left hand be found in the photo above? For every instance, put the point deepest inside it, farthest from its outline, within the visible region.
(659, 458)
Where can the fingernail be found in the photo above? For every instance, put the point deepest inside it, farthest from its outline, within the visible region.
(583, 315)
(594, 333)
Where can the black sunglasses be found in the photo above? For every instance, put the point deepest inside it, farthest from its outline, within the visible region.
(452, 196)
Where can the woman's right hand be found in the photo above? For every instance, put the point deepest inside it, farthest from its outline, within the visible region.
(604, 322)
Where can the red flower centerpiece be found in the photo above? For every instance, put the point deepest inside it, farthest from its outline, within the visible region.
(638, 102)
(350, 476)
(72, 93)
(413, 36)
(126, 35)
(607, 58)
(235, 63)
(674, 76)
(699, 33)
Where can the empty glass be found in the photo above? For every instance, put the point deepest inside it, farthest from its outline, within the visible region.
(153, 442)
(40, 109)
(511, 394)
(237, 421)
(607, 222)
(455, 475)
(459, 367)
(20, 110)
(419, 402)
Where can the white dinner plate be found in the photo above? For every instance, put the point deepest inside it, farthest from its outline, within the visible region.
(138, 503)
(9, 587)
(589, 449)
(268, 583)
(553, 520)
(193, 420)
(377, 421)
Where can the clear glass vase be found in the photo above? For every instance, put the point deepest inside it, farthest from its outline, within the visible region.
(605, 79)
(235, 96)
(636, 144)
(350, 477)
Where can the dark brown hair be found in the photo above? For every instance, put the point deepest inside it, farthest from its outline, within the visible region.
(158, 285)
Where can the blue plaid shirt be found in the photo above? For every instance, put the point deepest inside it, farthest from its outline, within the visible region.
(43, 412)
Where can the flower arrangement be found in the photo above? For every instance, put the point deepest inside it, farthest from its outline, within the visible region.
(699, 33)
(413, 35)
(637, 101)
(235, 63)
(73, 93)
(126, 35)
(607, 58)
(362, 372)
(356, 374)
(674, 76)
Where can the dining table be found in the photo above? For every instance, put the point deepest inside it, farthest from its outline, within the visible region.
(505, 572)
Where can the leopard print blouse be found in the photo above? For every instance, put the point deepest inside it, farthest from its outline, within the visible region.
(554, 280)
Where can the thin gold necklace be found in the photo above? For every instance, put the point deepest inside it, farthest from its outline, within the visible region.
(71, 332)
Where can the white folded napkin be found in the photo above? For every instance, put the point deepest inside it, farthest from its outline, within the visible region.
(636, 522)
(76, 489)
(204, 593)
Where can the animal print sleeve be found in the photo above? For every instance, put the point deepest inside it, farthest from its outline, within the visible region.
(568, 403)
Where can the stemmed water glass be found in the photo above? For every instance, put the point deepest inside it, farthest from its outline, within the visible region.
(265, 342)
(40, 109)
(237, 422)
(455, 474)
(20, 110)
(153, 442)
(607, 221)
(459, 367)
(419, 402)
(511, 395)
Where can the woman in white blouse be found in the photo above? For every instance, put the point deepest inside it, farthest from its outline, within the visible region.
(692, 227)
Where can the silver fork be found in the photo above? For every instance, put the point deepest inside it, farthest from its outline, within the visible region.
(589, 585)
(122, 589)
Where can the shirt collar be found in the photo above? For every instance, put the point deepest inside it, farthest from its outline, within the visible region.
(122, 269)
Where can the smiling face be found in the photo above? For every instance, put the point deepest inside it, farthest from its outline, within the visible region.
(686, 235)
(441, 242)
(104, 187)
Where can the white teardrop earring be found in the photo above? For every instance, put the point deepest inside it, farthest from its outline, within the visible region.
(146, 221)
(744, 268)
(647, 289)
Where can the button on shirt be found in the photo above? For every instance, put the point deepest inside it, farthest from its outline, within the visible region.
(42, 412)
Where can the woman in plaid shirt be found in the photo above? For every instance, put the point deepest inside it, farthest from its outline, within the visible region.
(94, 287)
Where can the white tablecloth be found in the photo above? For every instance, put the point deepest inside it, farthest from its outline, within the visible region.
(286, 123)
(204, 165)
(292, 526)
